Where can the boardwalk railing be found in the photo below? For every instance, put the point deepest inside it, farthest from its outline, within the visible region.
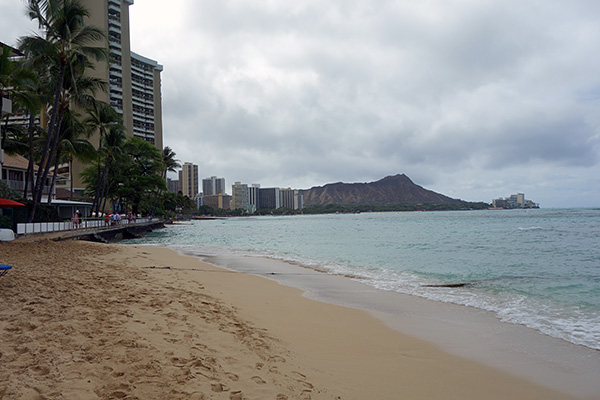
(87, 223)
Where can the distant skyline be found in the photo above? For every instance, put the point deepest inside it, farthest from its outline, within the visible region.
(474, 100)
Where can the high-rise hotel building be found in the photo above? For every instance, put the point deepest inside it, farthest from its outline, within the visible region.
(213, 185)
(188, 180)
(134, 80)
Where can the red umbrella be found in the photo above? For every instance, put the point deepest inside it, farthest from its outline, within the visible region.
(6, 203)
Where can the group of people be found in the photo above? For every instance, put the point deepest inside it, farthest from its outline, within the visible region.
(115, 219)
(76, 220)
(109, 219)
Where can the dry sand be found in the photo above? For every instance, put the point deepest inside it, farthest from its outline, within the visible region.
(89, 321)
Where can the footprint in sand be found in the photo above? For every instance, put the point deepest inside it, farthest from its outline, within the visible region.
(236, 396)
(258, 380)
(233, 377)
(301, 378)
(277, 359)
(299, 375)
(40, 370)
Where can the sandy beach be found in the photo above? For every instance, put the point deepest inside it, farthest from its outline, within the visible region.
(91, 321)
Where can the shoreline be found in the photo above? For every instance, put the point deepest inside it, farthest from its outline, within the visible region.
(98, 321)
(460, 330)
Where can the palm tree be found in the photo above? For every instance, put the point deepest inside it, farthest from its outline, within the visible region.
(112, 148)
(65, 50)
(170, 164)
(71, 145)
(169, 161)
(101, 119)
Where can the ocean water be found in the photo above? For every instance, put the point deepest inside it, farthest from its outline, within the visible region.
(539, 268)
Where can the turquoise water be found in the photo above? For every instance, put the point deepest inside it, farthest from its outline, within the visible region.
(539, 268)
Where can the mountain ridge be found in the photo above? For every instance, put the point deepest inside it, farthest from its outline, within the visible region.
(393, 189)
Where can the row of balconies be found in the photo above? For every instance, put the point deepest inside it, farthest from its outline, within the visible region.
(142, 84)
(140, 114)
(147, 138)
(114, 26)
(114, 6)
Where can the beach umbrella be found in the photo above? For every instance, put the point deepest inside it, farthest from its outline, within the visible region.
(6, 203)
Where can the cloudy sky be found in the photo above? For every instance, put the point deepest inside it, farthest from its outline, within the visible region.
(475, 99)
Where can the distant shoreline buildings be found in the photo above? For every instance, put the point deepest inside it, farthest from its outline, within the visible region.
(248, 198)
(515, 201)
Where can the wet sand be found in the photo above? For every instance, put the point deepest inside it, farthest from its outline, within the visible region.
(90, 321)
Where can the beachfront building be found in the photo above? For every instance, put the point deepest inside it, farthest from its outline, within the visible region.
(220, 200)
(514, 201)
(269, 198)
(172, 185)
(6, 109)
(134, 80)
(146, 107)
(253, 198)
(14, 171)
(291, 198)
(5, 104)
(239, 196)
(188, 180)
(213, 185)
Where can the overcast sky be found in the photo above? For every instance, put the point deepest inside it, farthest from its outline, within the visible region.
(475, 99)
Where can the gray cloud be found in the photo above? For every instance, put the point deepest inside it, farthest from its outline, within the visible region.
(472, 99)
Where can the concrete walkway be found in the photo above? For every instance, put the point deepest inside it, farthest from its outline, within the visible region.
(101, 234)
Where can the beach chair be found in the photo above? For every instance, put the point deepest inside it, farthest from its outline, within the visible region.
(4, 269)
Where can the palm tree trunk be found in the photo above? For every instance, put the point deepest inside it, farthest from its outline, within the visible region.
(30, 163)
(51, 158)
(71, 177)
(56, 161)
(105, 179)
(52, 131)
(96, 205)
(5, 130)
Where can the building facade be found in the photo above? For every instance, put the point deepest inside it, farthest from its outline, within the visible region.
(220, 200)
(146, 99)
(269, 198)
(172, 185)
(134, 80)
(188, 180)
(514, 201)
(213, 185)
(291, 199)
(239, 196)
(253, 197)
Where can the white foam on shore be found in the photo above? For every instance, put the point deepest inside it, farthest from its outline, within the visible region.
(460, 330)
(571, 325)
